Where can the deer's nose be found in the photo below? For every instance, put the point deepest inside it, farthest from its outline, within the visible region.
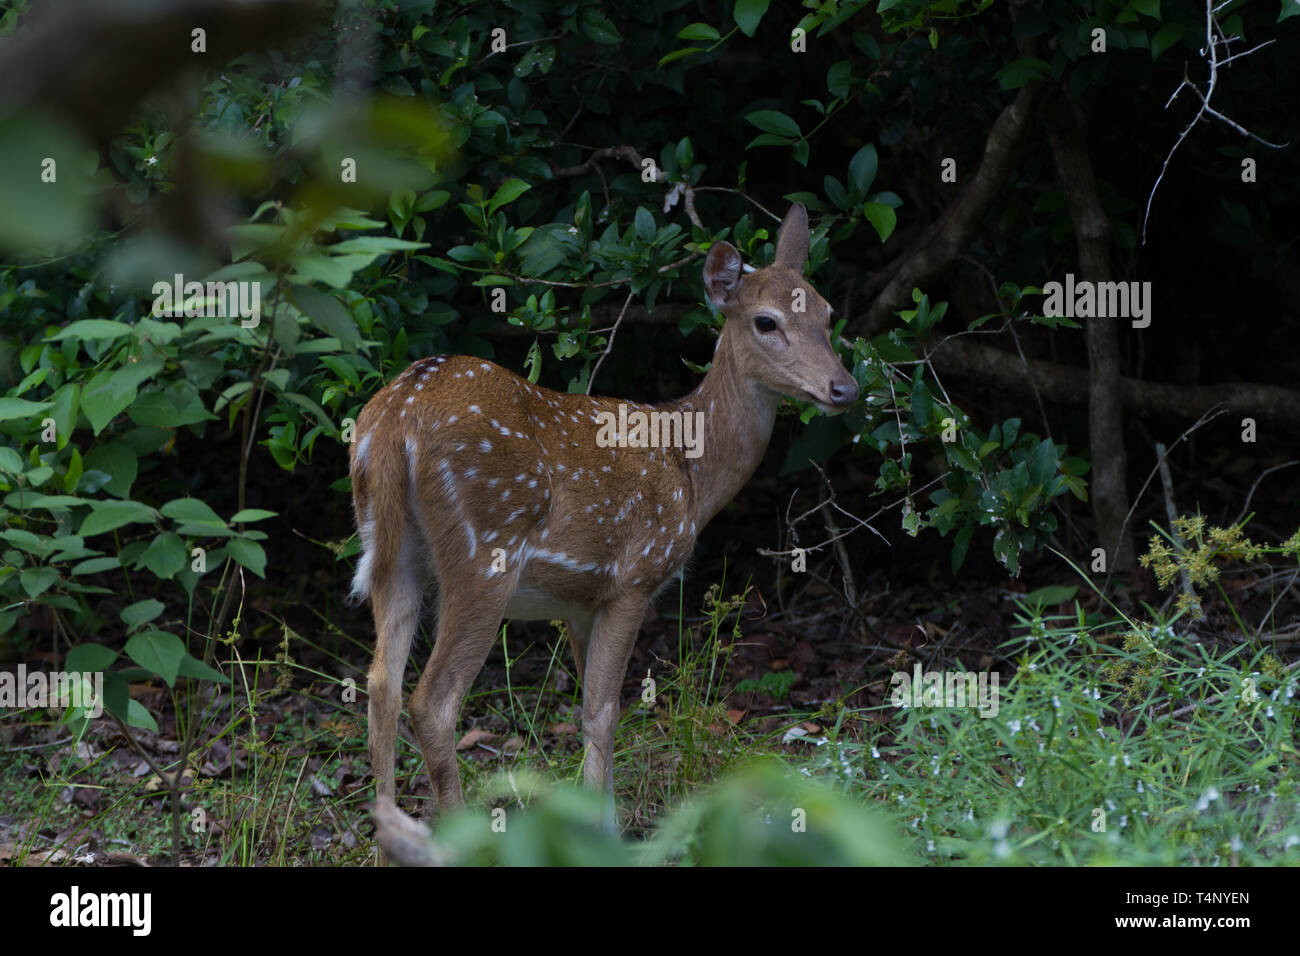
(843, 391)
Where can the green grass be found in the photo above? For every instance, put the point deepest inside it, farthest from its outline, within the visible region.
(1116, 741)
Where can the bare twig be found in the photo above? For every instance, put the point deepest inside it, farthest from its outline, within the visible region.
(1210, 415)
(610, 344)
(1264, 474)
(1211, 54)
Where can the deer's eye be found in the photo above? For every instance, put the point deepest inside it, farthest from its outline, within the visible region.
(765, 323)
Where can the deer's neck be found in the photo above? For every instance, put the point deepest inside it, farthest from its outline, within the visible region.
(738, 419)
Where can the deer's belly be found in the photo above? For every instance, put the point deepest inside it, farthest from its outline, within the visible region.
(533, 603)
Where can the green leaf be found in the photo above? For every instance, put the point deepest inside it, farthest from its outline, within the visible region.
(76, 468)
(334, 271)
(67, 402)
(109, 392)
(326, 313)
(10, 461)
(195, 668)
(862, 169)
(157, 652)
(251, 514)
(749, 13)
(15, 408)
(36, 581)
(1021, 71)
(156, 409)
(598, 27)
(165, 555)
(141, 613)
(645, 224)
(379, 245)
(138, 716)
(1150, 8)
(959, 546)
(118, 459)
(882, 217)
(97, 565)
(107, 515)
(679, 54)
(89, 658)
(1042, 468)
(839, 79)
(249, 554)
(774, 121)
(434, 199)
(699, 31)
(89, 330)
(1167, 36)
(191, 510)
(1051, 595)
(510, 190)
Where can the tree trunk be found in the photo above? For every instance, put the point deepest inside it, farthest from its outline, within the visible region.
(1065, 132)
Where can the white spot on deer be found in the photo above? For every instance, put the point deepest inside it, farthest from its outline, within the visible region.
(363, 449)
(484, 446)
(476, 410)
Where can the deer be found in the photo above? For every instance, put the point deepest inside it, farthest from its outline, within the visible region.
(529, 504)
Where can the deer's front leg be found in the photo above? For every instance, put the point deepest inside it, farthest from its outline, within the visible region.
(613, 633)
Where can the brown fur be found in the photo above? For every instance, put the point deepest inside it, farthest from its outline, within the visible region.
(457, 458)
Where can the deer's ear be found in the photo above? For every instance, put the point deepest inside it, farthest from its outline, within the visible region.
(722, 274)
(792, 240)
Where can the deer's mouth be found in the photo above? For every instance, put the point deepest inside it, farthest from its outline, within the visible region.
(826, 405)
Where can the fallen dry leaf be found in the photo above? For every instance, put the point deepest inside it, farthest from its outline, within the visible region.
(474, 737)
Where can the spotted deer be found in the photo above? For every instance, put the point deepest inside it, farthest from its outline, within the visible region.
(530, 504)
